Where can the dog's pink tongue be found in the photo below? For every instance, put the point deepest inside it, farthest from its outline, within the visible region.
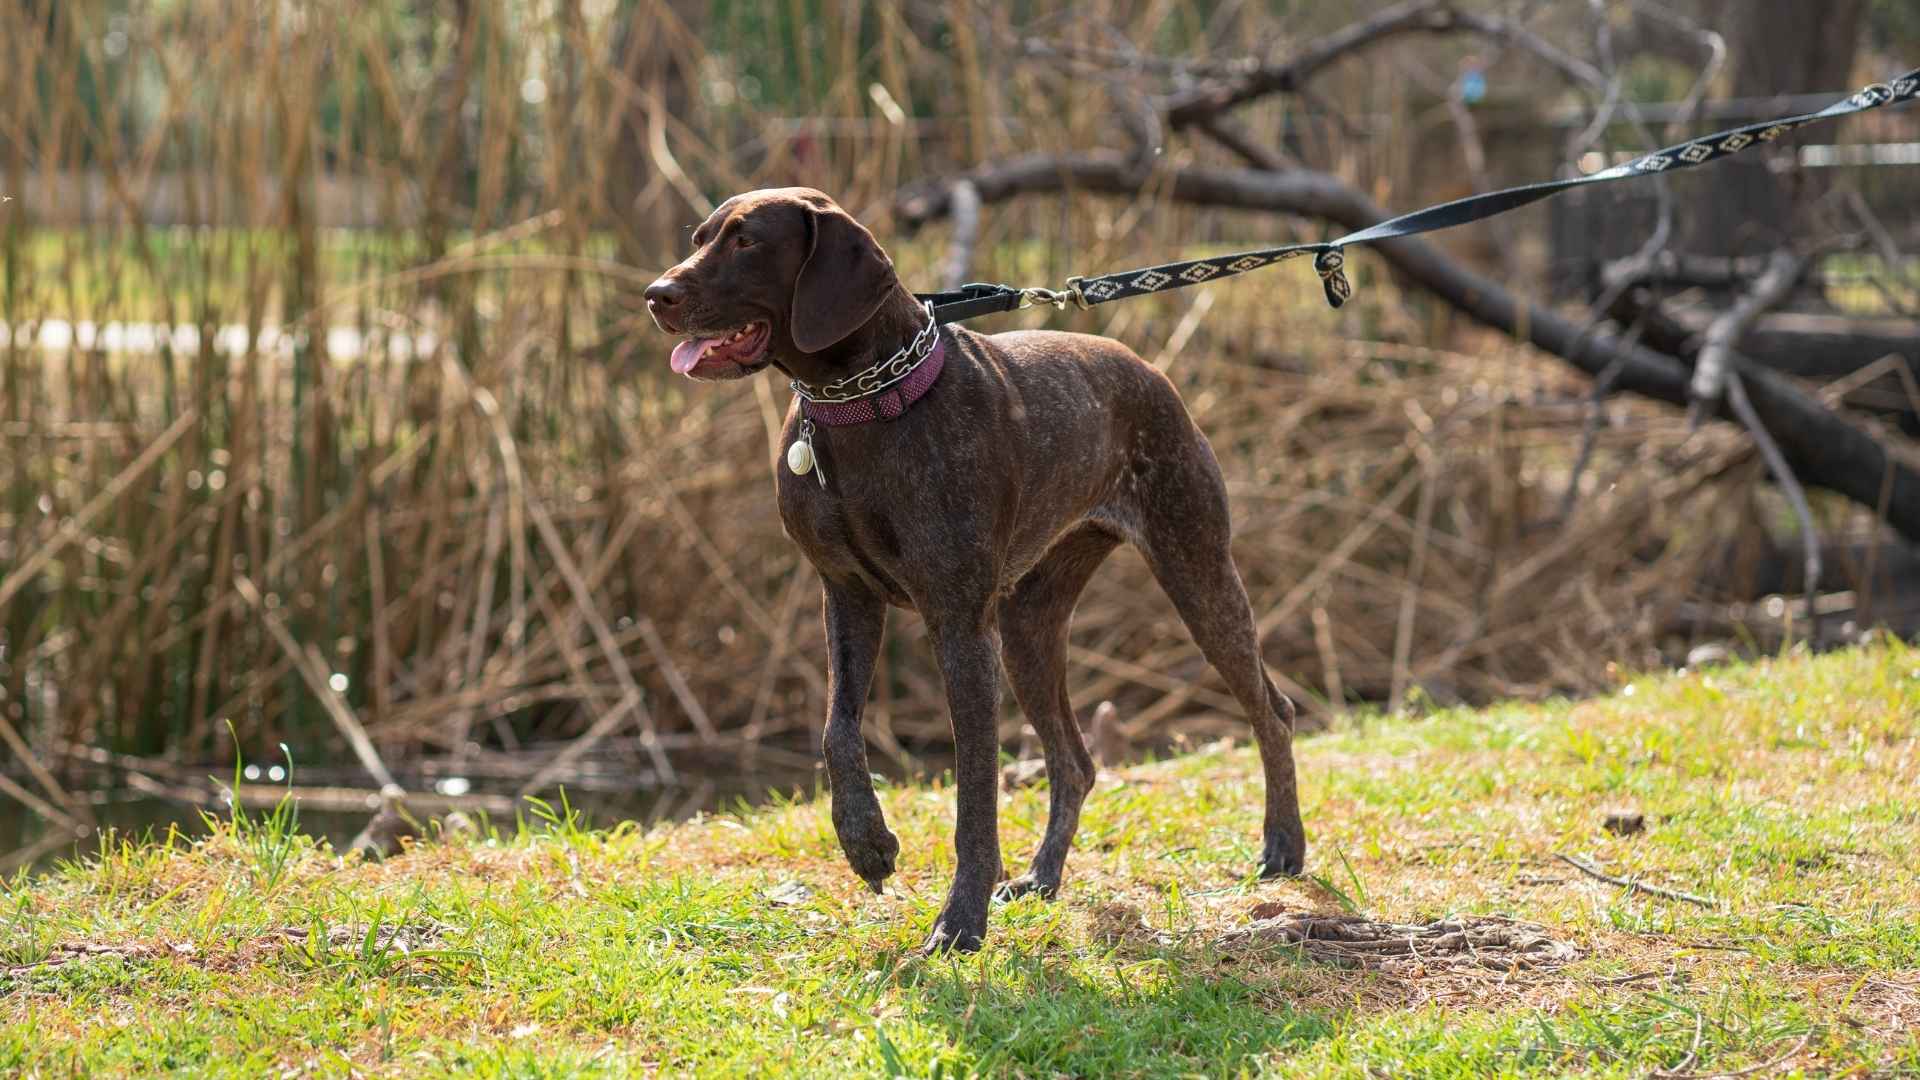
(687, 354)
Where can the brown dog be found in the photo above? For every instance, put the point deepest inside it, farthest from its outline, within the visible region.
(984, 499)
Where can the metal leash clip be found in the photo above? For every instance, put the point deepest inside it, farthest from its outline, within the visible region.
(1034, 297)
(1059, 298)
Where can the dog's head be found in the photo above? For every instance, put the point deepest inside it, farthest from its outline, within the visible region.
(775, 275)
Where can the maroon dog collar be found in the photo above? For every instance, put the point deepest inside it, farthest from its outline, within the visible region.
(880, 392)
(888, 404)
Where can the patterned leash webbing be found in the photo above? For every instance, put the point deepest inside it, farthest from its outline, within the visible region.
(972, 301)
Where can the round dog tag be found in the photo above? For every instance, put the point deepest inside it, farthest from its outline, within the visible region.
(800, 457)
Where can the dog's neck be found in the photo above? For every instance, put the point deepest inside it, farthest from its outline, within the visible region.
(899, 318)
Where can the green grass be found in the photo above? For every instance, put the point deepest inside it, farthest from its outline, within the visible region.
(1788, 791)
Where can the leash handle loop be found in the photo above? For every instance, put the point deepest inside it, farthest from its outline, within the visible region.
(1331, 265)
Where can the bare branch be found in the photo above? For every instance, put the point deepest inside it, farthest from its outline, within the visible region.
(1417, 16)
(1784, 269)
(1783, 475)
(1711, 41)
(1227, 134)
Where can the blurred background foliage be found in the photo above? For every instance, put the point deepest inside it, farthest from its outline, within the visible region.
(337, 303)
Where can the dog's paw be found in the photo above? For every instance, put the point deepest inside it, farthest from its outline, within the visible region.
(955, 934)
(962, 923)
(871, 849)
(1026, 885)
(1284, 858)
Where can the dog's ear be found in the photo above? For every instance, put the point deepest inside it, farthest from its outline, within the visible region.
(843, 282)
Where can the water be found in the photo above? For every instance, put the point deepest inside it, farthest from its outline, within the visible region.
(139, 815)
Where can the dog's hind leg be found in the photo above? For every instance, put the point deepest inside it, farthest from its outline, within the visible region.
(855, 620)
(1185, 537)
(1033, 645)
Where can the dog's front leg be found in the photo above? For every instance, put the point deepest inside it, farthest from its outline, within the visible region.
(855, 621)
(969, 658)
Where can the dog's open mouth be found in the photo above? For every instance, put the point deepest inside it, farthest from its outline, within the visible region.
(725, 356)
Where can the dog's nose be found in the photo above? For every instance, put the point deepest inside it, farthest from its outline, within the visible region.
(665, 293)
(663, 297)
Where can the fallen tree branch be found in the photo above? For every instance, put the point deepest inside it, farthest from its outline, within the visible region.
(1826, 346)
(1455, 942)
(1635, 885)
(1822, 447)
(1805, 345)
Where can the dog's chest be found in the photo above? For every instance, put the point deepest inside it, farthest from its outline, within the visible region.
(846, 539)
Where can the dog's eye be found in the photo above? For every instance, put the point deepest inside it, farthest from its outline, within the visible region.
(742, 240)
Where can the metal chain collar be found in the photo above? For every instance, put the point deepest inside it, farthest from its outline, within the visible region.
(880, 376)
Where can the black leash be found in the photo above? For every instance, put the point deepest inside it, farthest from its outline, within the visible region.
(977, 299)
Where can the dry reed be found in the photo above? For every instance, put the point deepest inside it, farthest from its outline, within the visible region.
(492, 523)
